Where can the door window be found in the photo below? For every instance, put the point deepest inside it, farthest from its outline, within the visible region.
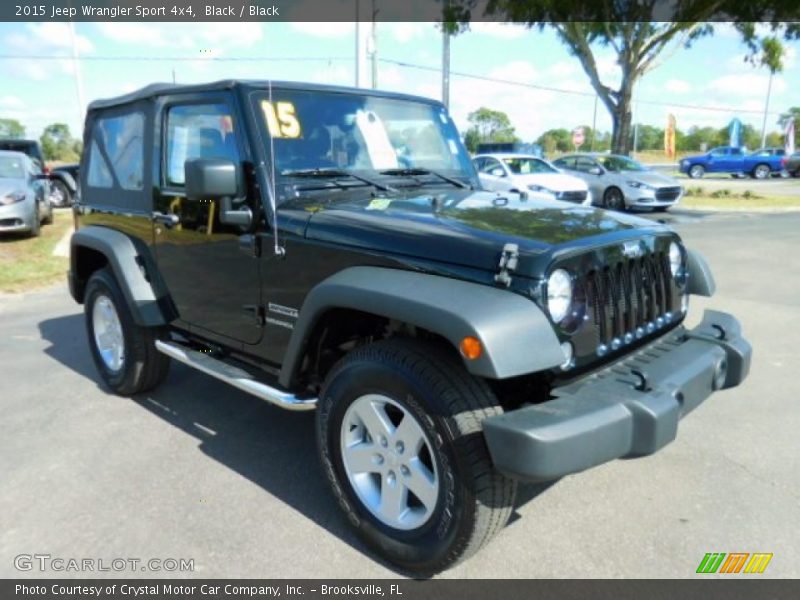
(584, 165)
(198, 131)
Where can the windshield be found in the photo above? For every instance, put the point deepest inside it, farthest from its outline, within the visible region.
(11, 167)
(528, 166)
(619, 163)
(327, 130)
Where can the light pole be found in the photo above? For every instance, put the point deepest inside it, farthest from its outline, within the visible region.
(766, 110)
(77, 66)
(445, 68)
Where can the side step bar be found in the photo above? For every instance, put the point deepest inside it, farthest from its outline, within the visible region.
(234, 376)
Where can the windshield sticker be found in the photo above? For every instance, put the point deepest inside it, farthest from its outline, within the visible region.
(282, 119)
(379, 204)
(381, 152)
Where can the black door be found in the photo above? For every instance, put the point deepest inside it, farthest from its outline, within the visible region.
(215, 286)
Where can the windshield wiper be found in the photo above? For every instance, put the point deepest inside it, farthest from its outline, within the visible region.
(331, 173)
(412, 172)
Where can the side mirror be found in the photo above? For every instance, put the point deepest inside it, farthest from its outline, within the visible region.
(497, 172)
(216, 179)
(596, 171)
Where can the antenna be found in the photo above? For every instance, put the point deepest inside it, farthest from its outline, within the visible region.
(277, 249)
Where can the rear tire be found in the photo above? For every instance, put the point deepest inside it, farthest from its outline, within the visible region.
(60, 194)
(412, 386)
(123, 352)
(762, 171)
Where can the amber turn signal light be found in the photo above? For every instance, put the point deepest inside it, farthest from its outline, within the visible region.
(471, 347)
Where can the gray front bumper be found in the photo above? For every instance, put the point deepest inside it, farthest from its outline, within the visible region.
(631, 408)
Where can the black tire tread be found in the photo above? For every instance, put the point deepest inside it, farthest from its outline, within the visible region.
(468, 401)
(148, 367)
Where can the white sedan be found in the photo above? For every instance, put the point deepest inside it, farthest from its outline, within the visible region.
(527, 174)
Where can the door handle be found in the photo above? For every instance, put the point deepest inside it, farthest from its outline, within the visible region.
(167, 220)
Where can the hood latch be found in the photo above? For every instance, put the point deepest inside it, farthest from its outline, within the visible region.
(508, 264)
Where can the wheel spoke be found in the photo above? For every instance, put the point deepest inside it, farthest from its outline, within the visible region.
(422, 483)
(394, 499)
(361, 458)
(410, 433)
(374, 417)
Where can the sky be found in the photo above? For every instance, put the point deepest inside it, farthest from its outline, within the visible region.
(710, 75)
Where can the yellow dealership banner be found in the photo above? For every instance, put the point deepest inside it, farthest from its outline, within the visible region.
(669, 137)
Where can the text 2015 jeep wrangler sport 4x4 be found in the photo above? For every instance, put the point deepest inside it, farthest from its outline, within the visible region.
(329, 248)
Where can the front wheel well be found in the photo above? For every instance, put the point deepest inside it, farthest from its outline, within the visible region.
(340, 330)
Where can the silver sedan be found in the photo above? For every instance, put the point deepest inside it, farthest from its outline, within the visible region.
(24, 194)
(618, 182)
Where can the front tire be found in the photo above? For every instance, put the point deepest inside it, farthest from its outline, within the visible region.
(400, 440)
(36, 221)
(123, 352)
(697, 172)
(613, 199)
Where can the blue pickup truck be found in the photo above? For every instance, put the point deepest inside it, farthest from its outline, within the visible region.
(727, 159)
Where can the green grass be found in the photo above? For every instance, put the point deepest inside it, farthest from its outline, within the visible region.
(28, 263)
(725, 200)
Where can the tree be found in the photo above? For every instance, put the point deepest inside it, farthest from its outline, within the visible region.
(793, 114)
(11, 128)
(555, 140)
(487, 125)
(58, 144)
(637, 33)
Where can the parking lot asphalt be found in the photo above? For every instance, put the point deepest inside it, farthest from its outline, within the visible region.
(198, 470)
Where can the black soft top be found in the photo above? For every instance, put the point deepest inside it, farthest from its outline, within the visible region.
(160, 89)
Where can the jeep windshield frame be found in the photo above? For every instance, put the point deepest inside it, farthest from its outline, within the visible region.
(367, 135)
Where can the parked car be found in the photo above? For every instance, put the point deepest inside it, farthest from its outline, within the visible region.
(736, 161)
(510, 148)
(619, 183)
(528, 174)
(62, 185)
(330, 249)
(791, 164)
(24, 200)
(62, 195)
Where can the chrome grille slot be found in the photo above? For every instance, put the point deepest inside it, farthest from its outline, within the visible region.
(625, 298)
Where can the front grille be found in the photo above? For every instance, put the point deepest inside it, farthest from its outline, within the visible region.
(576, 196)
(10, 222)
(625, 300)
(668, 194)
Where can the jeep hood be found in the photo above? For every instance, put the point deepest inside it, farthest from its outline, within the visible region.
(470, 228)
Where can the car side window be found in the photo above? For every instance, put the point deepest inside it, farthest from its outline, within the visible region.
(493, 167)
(736, 151)
(584, 165)
(719, 152)
(198, 131)
(565, 163)
(117, 152)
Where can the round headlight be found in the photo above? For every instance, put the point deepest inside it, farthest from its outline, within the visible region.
(559, 294)
(675, 258)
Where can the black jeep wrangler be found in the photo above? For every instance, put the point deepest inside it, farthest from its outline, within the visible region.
(329, 248)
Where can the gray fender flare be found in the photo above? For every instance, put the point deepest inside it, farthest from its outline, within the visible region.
(516, 335)
(127, 262)
(701, 280)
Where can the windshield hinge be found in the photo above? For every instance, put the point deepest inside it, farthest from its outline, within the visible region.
(508, 264)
